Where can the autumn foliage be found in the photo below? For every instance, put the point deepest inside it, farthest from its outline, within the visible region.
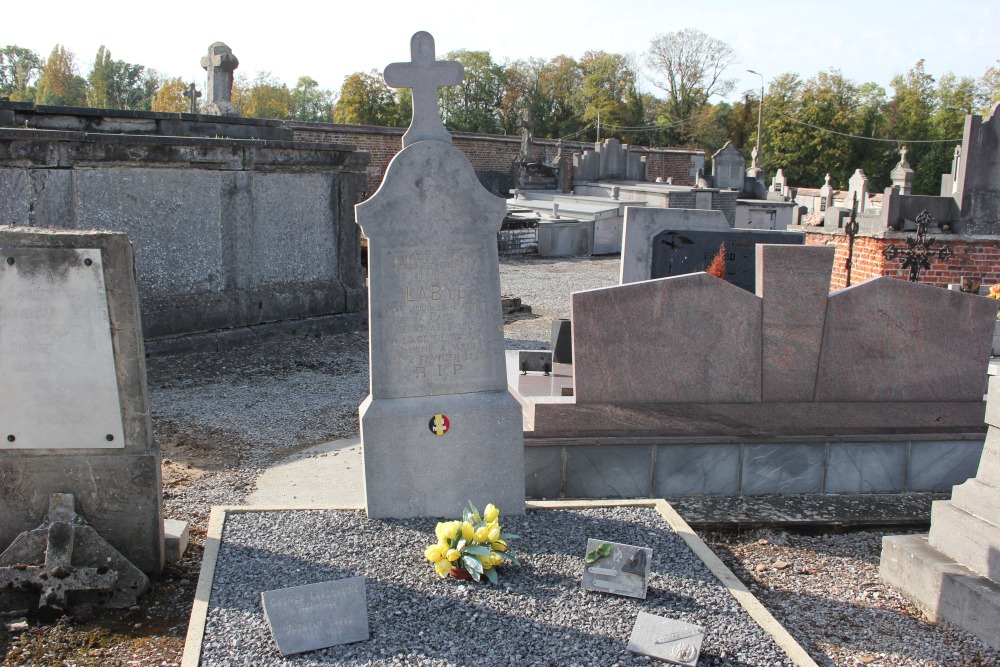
(718, 266)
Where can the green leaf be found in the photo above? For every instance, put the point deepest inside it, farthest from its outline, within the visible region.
(473, 565)
(602, 551)
(460, 545)
(510, 558)
(478, 550)
(491, 574)
(509, 536)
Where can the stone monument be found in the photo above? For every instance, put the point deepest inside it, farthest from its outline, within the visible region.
(220, 64)
(74, 418)
(439, 428)
(953, 572)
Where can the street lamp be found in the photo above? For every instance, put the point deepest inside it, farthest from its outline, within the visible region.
(760, 117)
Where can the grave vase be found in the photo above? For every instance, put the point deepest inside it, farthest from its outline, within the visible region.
(460, 573)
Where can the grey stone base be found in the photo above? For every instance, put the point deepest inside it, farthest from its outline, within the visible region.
(176, 535)
(940, 587)
(670, 467)
(411, 472)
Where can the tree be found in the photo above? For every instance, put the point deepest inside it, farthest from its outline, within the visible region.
(310, 102)
(266, 97)
(689, 65)
(365, 99)
(989, 85)
(472, 105)
(170, 98)
(609, 93)
(59, 83)
(19, 68)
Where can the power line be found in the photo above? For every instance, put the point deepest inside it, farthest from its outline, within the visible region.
(856, 136)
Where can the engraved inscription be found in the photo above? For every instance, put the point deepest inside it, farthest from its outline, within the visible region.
(436, 330)
(314, 616)
(56, 358)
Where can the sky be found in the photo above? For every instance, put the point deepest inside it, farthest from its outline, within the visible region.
(867, 41)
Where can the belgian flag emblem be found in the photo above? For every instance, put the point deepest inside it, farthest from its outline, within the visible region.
(439, 424)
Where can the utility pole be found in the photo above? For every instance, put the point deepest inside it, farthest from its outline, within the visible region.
(760, 117)
(598, 127)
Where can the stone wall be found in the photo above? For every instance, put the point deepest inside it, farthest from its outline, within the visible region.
(227, 232)
(971, 256)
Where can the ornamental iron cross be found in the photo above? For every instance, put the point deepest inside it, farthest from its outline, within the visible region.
(918, 250)
(424, 75)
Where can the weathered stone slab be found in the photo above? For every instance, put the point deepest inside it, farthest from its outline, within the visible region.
(668, 639)
(696, 470)
(55, 352)
(306, 618)
(892, 340)
(866, 467)
(782, 468)
(634, 343)
(794, 282)
(642, 224)
(608, 471)
(117, 490)
(621, 569)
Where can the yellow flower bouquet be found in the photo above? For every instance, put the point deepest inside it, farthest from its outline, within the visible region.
(475, 543)
(995, 294)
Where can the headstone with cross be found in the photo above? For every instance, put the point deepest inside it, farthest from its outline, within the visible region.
(192, 94)
(65, 562)
(220, 64)
(439, 415)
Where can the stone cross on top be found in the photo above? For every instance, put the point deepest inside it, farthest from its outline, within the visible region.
(424, 75)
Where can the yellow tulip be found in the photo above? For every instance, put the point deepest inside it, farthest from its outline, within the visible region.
(485, 560)
(468, 532)
(452, 529)
(482, 534)
(499, 545)
(491, 513)
(495, 559)
(439, 530)
(442, 567)
(453, 555)
(493, 533)
(434, 553)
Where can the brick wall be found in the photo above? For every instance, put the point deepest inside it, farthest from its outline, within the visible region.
(486, 152)
(970, 257)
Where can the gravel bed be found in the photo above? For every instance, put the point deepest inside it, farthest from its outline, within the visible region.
(538, 615)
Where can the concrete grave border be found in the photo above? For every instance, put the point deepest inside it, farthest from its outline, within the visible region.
(746, 599)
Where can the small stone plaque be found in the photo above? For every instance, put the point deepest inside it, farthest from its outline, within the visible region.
(56, 356)
(534, 361)
(306, 618)
(667, 639)
(621, 569)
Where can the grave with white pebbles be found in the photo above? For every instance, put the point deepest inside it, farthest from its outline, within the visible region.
(538, 614)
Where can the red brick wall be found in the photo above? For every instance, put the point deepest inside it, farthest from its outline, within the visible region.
(970, 257)
(485, 152)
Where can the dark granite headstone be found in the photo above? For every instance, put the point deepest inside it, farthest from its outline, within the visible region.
(306, 618)
(688, 251)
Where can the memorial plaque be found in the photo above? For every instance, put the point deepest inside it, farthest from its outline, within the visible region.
(56, 356)
(621, 569)
(673, 641)
(688, 251)
(306, 618)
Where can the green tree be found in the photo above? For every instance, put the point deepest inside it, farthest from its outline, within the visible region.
(989, 85)
(472, 105)
(59, 83)
(365, 99)
(689, 66)
(310, 102)
(562, 86)
(266, 97)
(19, 68)
(170, 98)
(609, 92)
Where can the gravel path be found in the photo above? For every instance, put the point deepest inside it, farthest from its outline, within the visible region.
(538, 615)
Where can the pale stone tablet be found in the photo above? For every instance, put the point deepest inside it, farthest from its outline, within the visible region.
(314, 616)
(621, 569)
(673, 641)
(56, 356)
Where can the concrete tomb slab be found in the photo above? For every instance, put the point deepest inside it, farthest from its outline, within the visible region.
(642, 224)
(621, 569)
(438, 406)
(85, 429)
(314, 616)
(668, 639)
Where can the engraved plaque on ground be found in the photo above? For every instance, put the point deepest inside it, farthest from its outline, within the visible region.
(668, 639)
(621, 569)
(56, 360)
(306, 618)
